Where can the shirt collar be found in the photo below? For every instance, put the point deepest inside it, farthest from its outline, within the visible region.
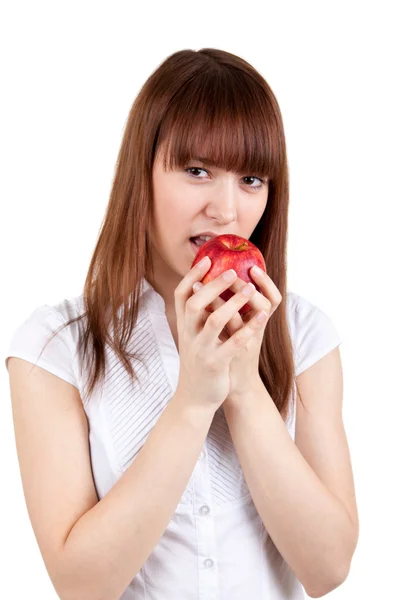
(154, 300)
(145, 286)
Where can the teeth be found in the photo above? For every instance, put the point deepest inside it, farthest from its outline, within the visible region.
(199, 240)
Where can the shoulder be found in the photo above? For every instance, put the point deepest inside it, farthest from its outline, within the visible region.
(68, 309)
(42, 339)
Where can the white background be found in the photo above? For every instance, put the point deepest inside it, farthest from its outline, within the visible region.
(70, 73)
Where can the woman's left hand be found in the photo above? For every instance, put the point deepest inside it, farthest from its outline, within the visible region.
(244, 367)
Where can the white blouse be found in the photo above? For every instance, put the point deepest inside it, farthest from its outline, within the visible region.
(215, 546)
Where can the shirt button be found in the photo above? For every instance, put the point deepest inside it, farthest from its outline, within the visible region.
(204, 510)
(208, 562)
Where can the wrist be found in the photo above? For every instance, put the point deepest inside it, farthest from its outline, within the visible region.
(195, 411)
(241, 397)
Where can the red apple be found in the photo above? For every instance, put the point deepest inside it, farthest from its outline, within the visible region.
(230, 251)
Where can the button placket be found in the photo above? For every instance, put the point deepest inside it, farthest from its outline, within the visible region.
(205, 526)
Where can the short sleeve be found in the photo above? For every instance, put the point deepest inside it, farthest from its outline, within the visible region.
(29, 339)
(315, 335)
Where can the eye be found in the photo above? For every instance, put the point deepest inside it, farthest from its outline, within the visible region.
(254, 187)
(195, 169)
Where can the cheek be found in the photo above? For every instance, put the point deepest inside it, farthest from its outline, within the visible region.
(170, 201)
(173, 219)
(250, 216)
(177, 214)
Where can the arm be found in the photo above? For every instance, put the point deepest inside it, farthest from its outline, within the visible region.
(93, 549)
(303, 505)
(108, 545)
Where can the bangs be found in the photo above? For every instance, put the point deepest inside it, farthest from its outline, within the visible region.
(226, 122)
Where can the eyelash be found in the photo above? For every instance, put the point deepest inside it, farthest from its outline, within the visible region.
(257, 187)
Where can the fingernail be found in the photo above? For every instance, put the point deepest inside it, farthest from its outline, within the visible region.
(248, 289)
(229, 275)
(197, 286)
(257, 270)
(204, 261)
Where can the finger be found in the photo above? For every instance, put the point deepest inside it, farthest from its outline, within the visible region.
(196, 305)
(239, 339)
(220, 317)
(257, 302)
(268, 287)
(184, 288)
(233, 324)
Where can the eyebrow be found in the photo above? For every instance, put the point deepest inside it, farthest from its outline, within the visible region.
(206, 161)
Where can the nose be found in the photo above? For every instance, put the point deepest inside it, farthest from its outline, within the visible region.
(222, 204)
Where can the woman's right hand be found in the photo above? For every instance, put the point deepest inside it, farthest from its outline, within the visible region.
(204, 358)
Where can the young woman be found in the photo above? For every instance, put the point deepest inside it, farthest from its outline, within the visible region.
(167, 452)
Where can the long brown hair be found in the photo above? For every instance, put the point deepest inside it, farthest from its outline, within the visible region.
(196, 103)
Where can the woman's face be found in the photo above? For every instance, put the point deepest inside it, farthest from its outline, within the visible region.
(198, 198)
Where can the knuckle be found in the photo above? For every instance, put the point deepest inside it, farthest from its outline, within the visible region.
(177, 292)
(268, 306)
(209, 363)
(193, 304)
(213, 366)
(238, 340)
(257, 323)
(214, 319)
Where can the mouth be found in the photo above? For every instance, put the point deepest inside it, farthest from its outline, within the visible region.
(196, 243)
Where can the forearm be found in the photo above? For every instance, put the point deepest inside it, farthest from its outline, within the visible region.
(308, 525)
(108, 545)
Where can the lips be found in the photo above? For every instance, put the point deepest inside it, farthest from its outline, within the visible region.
(194, 246)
